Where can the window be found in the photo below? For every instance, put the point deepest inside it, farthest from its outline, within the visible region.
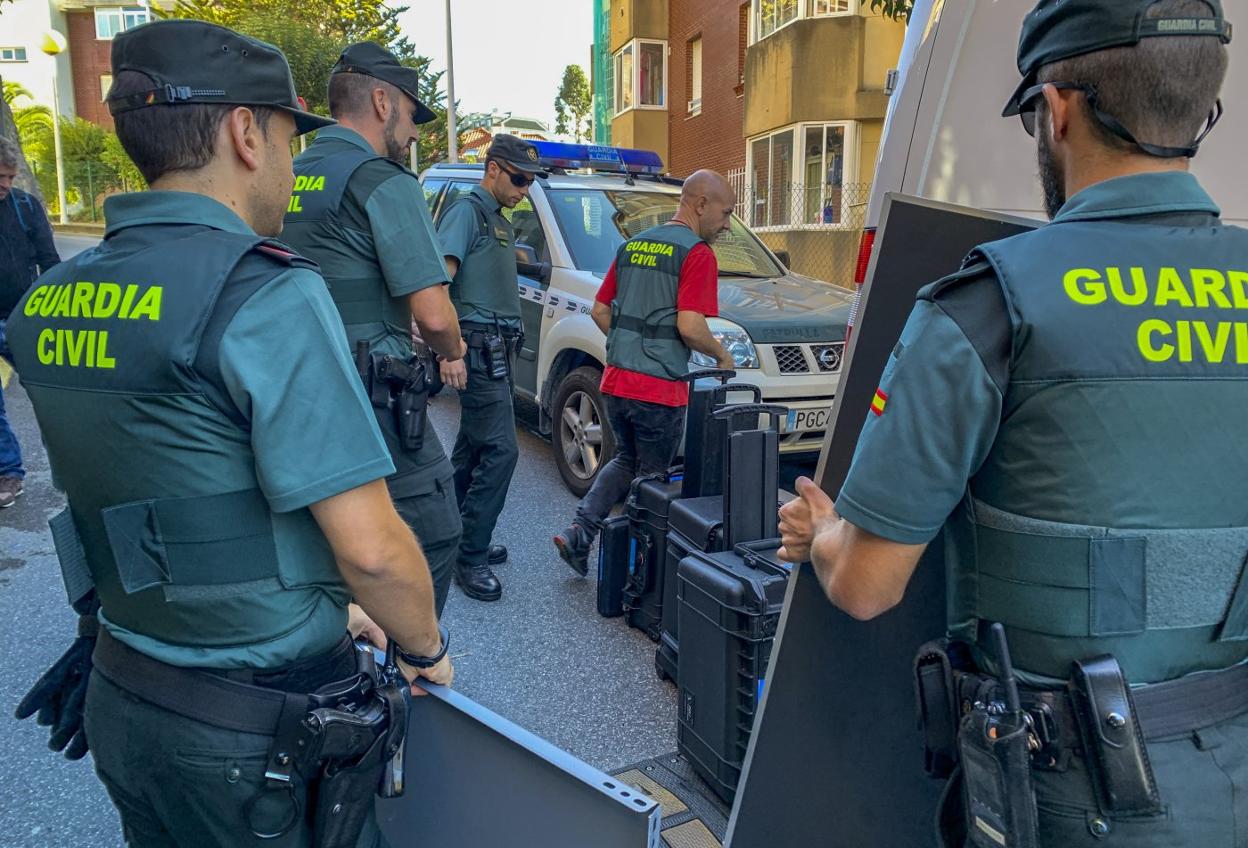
(528, 226)
(695, 75)
(641, 76)
(798, 175)
(431, 186)
(111, 21)
(12, 54)
(106, 82)
(595, 223)
(771, 15)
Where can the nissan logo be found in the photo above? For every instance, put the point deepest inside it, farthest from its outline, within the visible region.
(829, 359)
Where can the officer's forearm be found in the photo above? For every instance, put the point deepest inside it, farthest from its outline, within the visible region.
(436, 319)
(601, 313)
(381, 563)
(861, 573)
(398, 596)
(697, 336)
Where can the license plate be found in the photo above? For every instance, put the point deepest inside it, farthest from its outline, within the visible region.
(801, 420)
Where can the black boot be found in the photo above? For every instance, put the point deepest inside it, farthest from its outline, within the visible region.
(478, 582)
(497, 555)
(573, 546)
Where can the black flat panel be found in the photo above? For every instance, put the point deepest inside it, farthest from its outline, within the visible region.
(835, 759)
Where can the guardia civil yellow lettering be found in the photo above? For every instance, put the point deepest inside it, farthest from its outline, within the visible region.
(88, 348)
(306, 182)
(647, 253)
(1161, 340)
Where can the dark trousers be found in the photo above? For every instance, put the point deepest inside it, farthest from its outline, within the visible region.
(484, 459)
(177, 782)
(646, 438)
(434, 518)
(10, 453)
(1202, 778)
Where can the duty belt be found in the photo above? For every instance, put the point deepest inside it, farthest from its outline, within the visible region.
(1163, 710)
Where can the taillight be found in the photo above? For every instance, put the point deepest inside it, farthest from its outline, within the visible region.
(864, 255)
(860, 276)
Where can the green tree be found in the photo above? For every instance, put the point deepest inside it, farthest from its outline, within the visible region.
(313, 33)
(898, 10)
(573, 103)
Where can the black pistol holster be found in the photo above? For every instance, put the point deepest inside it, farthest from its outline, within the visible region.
(346, 739)
(1112, 740)
(400, 385)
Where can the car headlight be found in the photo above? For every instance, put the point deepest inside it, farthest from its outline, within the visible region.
(735, 340)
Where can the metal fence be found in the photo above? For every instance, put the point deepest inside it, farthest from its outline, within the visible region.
(87, 184)
(818, 226)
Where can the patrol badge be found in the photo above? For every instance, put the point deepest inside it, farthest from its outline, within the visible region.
(532, 154)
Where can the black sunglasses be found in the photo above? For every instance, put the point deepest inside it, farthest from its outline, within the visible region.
(1029, 102)
(517, 179)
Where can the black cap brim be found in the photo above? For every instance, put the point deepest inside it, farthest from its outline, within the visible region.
(423, 113)
(527, 167)
(1014, 105)
(306, 122)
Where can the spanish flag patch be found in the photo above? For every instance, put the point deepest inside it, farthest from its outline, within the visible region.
(879, 401)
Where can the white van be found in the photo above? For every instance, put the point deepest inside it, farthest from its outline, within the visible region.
(944, 137)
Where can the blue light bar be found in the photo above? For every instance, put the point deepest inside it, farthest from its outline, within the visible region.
(620, 160)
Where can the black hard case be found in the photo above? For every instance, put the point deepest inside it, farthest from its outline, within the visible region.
(647, 507)
(613, 559)
(729, 609)
(695, 524)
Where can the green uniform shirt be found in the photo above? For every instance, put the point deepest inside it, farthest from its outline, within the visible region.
(385, 214)
(459, 231)
(285, 361)
(945, 393)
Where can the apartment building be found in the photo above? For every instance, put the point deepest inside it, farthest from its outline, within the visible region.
(787, 97)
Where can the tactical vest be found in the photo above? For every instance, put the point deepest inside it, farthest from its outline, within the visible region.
(314, 228)
(486, 282)
(1109, 515)
(644, 336)
(118, 349)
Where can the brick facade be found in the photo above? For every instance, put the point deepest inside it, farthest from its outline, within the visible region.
(89, 58)
(712, 139)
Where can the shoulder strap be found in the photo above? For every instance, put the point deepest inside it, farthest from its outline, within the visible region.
(261, 262)
(483, 214)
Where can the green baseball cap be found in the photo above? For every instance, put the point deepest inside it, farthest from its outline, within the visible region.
(517, 152)
(198, 62)
(371, 59)
(1060, 29)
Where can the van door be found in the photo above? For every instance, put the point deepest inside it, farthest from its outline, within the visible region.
(533, 294)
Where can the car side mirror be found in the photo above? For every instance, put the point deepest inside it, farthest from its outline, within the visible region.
(783, 256)
(529, 265)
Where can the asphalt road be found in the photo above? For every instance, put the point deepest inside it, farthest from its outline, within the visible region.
(541, 656)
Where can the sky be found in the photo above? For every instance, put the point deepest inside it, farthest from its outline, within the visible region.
(509, 54)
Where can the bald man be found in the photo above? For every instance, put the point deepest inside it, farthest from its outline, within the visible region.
(653, 307)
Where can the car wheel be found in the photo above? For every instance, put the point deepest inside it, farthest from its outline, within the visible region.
(581, 436)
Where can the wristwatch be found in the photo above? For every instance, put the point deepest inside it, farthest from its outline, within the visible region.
(417, 661)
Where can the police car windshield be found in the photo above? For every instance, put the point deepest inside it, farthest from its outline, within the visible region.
(596, 222)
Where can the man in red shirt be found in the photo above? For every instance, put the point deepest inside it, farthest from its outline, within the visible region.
(653, 307)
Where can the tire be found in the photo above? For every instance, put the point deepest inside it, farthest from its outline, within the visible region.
(580, 435)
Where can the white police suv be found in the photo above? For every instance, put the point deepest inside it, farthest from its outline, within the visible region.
(785, 331)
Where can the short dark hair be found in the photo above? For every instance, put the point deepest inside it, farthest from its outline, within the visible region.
(1161, 89)
(166, 138)
(350, 93)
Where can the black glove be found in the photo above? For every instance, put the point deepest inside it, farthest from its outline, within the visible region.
(59, 694)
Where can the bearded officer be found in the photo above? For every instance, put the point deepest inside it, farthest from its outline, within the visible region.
(478, 243)
(1091, 382)
(361, 215)
(178, 372)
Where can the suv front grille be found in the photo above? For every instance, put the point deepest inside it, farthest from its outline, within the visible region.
(791, 359)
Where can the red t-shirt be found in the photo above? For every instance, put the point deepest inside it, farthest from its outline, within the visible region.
(698, 292)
